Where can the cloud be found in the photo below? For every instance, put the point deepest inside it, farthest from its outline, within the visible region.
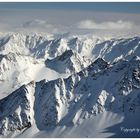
(109, 25)
(36, 25)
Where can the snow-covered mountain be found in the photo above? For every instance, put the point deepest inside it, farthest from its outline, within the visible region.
(69, 86)
(68, 62)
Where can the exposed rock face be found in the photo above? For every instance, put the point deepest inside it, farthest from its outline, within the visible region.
(16, 110)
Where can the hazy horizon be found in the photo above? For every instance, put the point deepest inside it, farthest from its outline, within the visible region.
(98, 18)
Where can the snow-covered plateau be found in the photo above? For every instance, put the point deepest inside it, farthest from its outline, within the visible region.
(69, 86)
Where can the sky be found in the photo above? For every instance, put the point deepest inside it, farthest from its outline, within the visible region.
(77, 17)
(128, 7)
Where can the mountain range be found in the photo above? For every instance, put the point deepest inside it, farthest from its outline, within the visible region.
(69, 86)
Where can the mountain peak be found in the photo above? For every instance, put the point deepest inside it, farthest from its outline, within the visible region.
(69, 62)
(17, 107)
(66, 55)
